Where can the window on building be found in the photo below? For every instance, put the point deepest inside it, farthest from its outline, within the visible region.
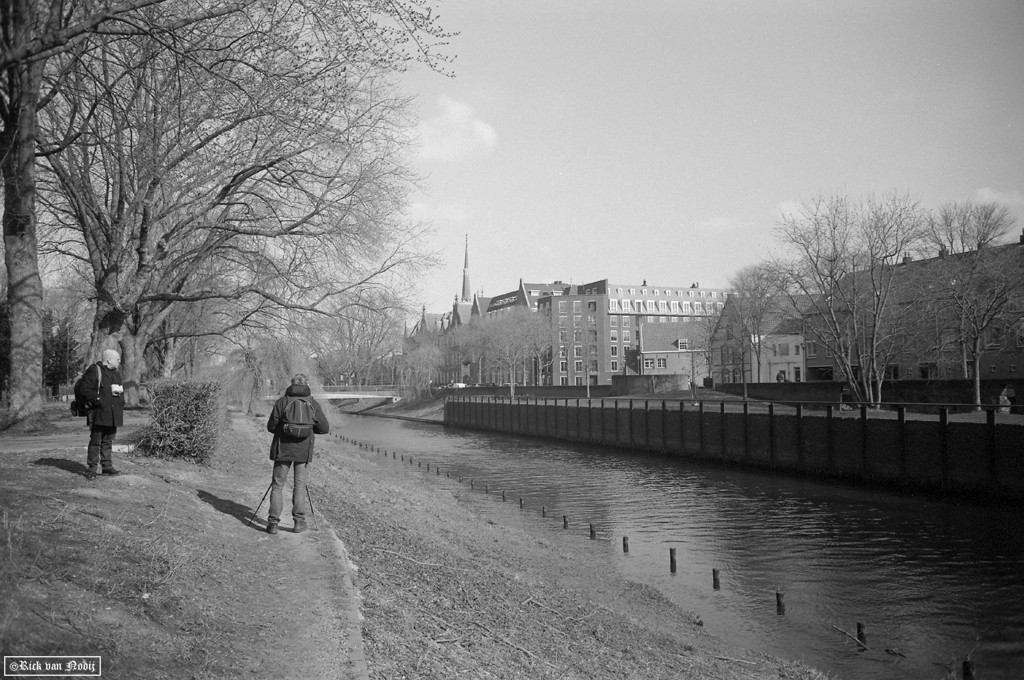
(591, 305)
(563, 336)
(796, 349)
(577, 351)
(579, 380)
(720, 305)
(577, 336)
(648, 363)
(593, 365)
(613, 305)
(577, 319)
(657, 292)
(564, 381)
(661, 319)
(697, 308)
(812, 349)
(563, 366)
(592, 336)
(591, 320)
(613, 321)
(702, 293)
(562, 306)
(674, 306)
(615, 336)
(683, 343)
(563, 351)
(615, 350)
(662, 363)
(625, 322)
(578, 365)
(783, 349)
(650, 319)
(686, 308)
(615, 365)
(632, 291)
(619, 291)
(796, 374)
(643, 291)
(577, 305)
(714, 294)
(625, 337)
(562, 320)
(627, 306)
(662, 306)
(689, 293)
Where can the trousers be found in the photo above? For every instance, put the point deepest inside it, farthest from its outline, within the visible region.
(101, 441)
(300, 501)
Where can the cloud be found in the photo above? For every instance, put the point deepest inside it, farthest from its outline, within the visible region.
(718, 224)
(456, 133)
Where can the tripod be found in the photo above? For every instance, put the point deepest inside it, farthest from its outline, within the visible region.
(309, 498)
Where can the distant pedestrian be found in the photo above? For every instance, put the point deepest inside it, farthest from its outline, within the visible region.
(102, 389)
(1004, 400)
(295, 421)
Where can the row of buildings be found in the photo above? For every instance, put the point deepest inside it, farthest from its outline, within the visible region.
(604, 328)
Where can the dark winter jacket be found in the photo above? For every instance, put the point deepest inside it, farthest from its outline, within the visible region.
(108, 410)
(286, 448)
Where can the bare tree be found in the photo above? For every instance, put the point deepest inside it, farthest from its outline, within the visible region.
(43, 49)
(755, 301)
(515, 338)
(842, 269)
(33, 34)
(964, 226)
(271, 174)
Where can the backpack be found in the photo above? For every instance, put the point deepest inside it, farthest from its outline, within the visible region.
(298, 418)
(81, 406)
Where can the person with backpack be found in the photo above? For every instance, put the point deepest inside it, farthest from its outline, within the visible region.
(101, 391)
(295, 421)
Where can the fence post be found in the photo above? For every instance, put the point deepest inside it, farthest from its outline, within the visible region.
(993, 472)
(799, 436)
(700, 423)
(901, 417)
(865, 466)
(771, 434)
(746, 432)
(647, 425)
(944, 432)
(830, 428)
(630, 424)
(721, 430)
(615, 429)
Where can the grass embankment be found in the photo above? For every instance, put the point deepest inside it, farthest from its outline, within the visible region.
(157, 571)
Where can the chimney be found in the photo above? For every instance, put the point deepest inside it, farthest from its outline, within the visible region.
(1022, 235)
(943, 252)
(907, 258)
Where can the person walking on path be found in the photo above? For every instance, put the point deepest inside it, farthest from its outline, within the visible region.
(295, 421)
(102, 389)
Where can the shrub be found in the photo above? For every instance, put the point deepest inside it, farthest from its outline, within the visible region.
(187, 419)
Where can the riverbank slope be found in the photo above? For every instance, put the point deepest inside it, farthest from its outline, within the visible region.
(157, 571)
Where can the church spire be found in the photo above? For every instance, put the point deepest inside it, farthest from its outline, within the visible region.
(467, 295)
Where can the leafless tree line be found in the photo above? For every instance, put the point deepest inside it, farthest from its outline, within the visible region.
(216, 170)
(883, 283)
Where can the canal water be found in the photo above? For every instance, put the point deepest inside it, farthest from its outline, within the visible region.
(931, 581)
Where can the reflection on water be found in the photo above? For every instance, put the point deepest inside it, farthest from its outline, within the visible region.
(931, 581)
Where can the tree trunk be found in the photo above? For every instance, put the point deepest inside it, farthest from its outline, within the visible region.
(24, 285)
(977, 372)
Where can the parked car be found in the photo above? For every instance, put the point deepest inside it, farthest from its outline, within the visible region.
(458, 386)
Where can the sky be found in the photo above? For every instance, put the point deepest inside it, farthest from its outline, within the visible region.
(660, 140)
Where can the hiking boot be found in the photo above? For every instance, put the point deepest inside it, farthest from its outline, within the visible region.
(272, 528)
(300, 526)
(90, 473)
(111, 471)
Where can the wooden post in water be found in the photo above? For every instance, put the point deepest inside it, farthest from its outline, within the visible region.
(862, 635)
(543, 511)
(968, 669)
(780, 604)
(593, 533)
(565, 521)
(520, 503)
(625, 544)
(502, 495)
(714, 580)
(672, 560)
